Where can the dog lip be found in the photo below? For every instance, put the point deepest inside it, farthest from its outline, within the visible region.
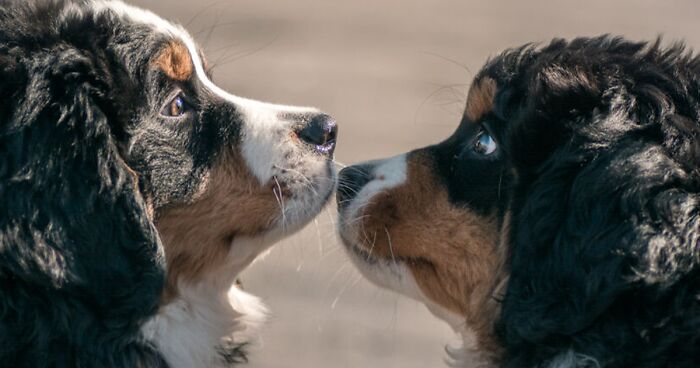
(351, 180)
(370, 258)
(361, 252)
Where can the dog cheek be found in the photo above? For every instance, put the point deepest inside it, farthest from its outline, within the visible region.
(197, 236)
(442, 286)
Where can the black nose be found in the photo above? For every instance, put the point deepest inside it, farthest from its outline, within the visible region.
(320, 132)
(350, 181)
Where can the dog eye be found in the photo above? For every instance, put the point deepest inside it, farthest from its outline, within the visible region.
(485, 144)
(176, 107)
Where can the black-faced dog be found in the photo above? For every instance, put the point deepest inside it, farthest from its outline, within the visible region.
(560, 222)
(119, 156)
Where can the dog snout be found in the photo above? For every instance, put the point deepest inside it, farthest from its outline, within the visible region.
(320, 133)
(350, 181)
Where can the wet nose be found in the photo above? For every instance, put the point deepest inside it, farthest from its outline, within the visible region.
(320, 133)
(350, 181)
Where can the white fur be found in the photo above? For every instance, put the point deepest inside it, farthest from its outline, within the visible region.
(391, 274)
(394, 274)
(386, 174)
(269, 150)
(189, 330)
(212, 312)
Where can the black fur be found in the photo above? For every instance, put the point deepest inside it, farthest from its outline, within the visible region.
(603, 137)
(81, 264)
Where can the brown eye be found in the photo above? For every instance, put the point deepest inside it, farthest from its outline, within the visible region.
(176, 107)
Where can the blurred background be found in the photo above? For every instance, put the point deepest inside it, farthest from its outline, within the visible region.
(394, 73)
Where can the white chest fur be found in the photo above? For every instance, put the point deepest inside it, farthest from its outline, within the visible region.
(197, 326)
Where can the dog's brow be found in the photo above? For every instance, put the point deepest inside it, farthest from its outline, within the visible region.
(175, 61)
(480, 98)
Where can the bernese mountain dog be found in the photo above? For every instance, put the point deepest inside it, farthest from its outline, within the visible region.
(560, 223)
(133, 191)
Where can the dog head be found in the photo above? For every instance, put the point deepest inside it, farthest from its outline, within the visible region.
(571, 179)
(118, 150)
(428, 223)
(226, 176)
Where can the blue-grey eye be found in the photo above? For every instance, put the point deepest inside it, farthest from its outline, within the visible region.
(176, 107)
(485, 144)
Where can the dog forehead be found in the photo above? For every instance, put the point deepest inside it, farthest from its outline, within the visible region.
(178, 57)
(138, 15)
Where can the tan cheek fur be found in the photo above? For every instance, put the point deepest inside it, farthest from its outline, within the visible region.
(197, 236)
(452, 252)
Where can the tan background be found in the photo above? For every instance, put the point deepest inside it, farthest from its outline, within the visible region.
(394, 74)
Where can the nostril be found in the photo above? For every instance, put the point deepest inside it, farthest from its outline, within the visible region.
(321, 132)
(351, 180)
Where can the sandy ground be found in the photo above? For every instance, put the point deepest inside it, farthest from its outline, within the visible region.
(394, 74)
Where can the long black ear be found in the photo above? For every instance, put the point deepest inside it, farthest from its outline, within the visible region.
(81, 264)
(604, 244)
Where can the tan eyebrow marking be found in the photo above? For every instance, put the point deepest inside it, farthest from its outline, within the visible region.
(175, 61)
(480, 98)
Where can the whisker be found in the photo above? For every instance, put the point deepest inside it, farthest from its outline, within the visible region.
(217, 21)
(202, 11)
(455, 62)
(231, 58)
(357, 219)
(431, 95)
(350, 283)
(338, 163)
(391, 247)
(294, 171)
(330, 216)
(500, 180)
(318, 236)
(280, 201)
(335, 275)
(225, 47)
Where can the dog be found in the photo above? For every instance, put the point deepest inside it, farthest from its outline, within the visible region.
(559, 224)
(134, 190)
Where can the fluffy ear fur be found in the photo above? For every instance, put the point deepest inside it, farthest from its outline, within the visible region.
(81, 264)
(606, 212)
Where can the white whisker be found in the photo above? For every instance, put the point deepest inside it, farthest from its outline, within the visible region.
(391, 247)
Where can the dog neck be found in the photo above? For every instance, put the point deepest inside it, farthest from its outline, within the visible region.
(205, 326)
(476, 328)
(210, 321)
(476, 333)
(485, 307)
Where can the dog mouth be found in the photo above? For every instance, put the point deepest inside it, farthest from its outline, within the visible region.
(302, 194)
(370, 258)
(389, 272)
(359, 187)
(385, 269)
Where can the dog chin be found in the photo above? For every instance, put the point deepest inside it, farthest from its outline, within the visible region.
(394, 275)
(311, 193)
(297, 208)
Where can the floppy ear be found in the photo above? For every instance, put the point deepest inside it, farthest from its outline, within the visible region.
(83, 260)
(601, 225)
